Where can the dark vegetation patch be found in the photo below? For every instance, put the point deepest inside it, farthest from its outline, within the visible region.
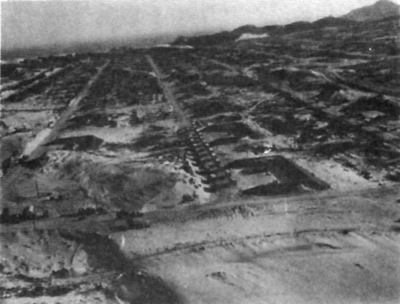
(254, 170)
(166, 143)
(123, 214)
(366, 174)
(183, 76)
(219, 79)
(34, 163)
(273, 189)
(228, 118)
(287, 172)
(137, 117)
(208, 40)
(309, 135)
(26, 215)
(374, 65)
(376, 151)
(341, 128)
(379, 71)
(91, 119)
(12, 70)
(213, 106)
(377, 103)
(38, 291)
(137, 224)
(84, 212)
(395, 229)
(144, 83)
(280, 126)
(118, 86)
(134, 118)
(148, 140)
(79, 143)
(194, 89)
(331, 149)
(225, 141)
(327, 90)
(298, 79)
(394, 177)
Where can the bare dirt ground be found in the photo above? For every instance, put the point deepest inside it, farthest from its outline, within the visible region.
(330, 249)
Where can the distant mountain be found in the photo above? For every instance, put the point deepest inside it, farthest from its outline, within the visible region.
(380, 10)
(227, 37)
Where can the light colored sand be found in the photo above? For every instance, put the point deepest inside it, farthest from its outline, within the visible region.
(335, 174)
(297, 252)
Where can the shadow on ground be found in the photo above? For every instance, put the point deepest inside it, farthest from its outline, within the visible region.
(133, 285)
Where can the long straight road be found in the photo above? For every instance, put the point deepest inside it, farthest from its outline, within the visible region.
(180, 114)
(38, 145)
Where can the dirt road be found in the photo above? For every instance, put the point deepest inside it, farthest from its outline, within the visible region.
(180, 114)
(38, 143)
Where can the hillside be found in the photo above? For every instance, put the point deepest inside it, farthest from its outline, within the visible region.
(384, 13)
(380, 10)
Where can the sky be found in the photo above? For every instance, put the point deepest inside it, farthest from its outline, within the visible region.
(40, 22)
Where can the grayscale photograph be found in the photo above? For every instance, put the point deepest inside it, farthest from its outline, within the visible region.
(200, 151)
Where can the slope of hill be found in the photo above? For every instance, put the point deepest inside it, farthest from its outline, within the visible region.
(379, 10)
(383, 11)
(224, 38)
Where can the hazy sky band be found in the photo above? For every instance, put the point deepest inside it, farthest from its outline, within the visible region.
(35, 23)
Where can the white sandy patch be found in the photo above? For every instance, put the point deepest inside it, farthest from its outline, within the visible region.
(247, 36)
(188, 182)
(336, 175)
(110, 135)
(40, 137)
(245, 181)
